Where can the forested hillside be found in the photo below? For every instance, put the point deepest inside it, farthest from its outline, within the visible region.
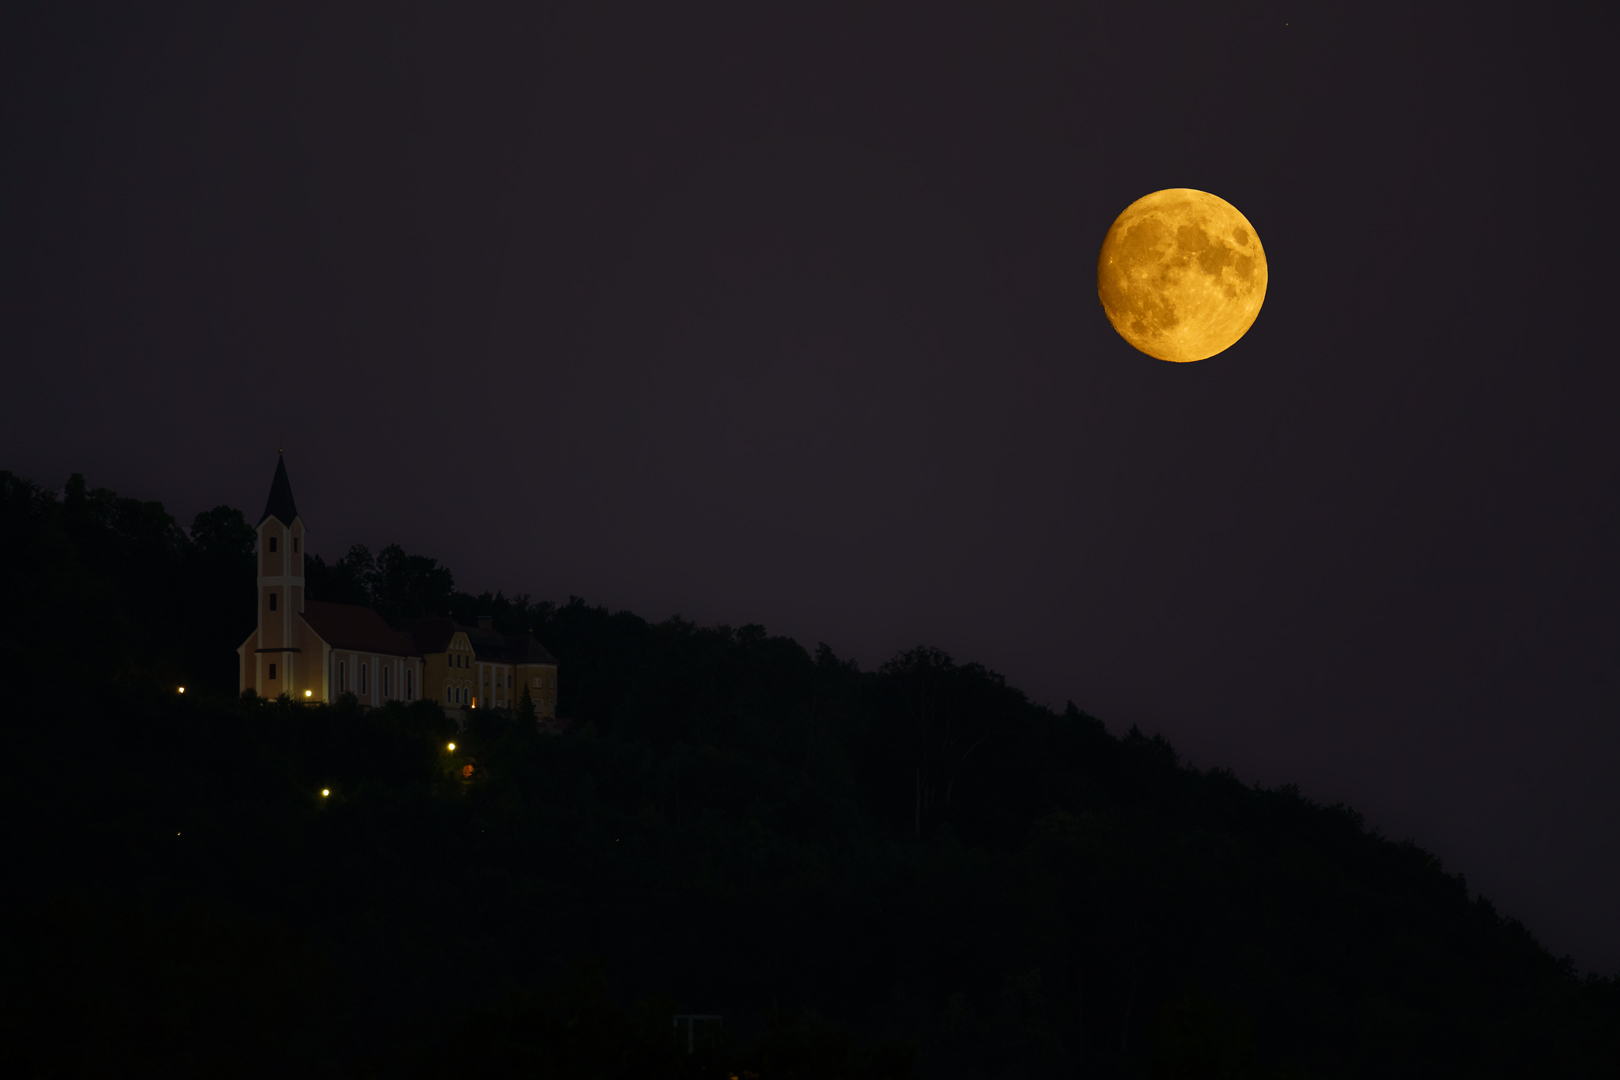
(913, 871)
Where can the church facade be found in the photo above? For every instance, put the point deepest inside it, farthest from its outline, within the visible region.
(313, 650)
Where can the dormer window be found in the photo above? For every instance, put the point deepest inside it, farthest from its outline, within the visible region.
(272, 543)
(295, 545)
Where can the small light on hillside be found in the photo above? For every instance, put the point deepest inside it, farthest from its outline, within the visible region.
(182, 689)
(452, 746)
(325, 792)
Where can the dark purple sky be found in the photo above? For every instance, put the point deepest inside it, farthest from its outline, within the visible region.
(792, 319)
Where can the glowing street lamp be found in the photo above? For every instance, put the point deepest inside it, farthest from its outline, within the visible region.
(182, 689)
(309, 693)
(452, 746)
(325, 792)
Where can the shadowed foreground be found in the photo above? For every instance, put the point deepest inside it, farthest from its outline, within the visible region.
(912, 871)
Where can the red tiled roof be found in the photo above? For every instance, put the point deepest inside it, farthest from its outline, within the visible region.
(349, 626)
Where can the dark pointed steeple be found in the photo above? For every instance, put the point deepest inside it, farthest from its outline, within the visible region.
(280, 504)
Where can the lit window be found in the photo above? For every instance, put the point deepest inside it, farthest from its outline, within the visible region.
(272, 601)
(272, 671)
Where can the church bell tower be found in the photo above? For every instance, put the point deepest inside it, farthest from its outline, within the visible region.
(272, 660)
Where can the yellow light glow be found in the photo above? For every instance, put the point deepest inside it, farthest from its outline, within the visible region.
(309, 693)
(1181, 274)
(182, 689)
(325, 792)
(452, 746)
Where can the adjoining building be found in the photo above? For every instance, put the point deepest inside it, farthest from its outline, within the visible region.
(313, 650)
(475, 665)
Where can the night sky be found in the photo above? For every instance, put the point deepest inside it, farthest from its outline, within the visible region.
(792, 319)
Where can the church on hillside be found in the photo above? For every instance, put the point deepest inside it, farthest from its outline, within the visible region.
(311, 650)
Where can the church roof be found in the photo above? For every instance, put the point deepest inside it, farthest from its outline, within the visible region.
(280, 504)
(350, 626)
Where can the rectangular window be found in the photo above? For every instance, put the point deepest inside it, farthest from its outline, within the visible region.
(272, 601)
(272, 543)
(410, 684)
(272, 671)
(343, 676)
(385, 680)
(295, 545)
(363, 680)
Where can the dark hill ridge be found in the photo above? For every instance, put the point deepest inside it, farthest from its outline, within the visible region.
(844, 863)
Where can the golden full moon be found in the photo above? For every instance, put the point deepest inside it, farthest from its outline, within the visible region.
(1181, 275)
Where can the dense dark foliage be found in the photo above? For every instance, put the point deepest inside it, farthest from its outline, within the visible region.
(912, 871)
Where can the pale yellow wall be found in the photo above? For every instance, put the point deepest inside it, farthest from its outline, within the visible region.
(496, 684)
(345, 675)
(280, 631)
(453, 668)
(545, 693)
